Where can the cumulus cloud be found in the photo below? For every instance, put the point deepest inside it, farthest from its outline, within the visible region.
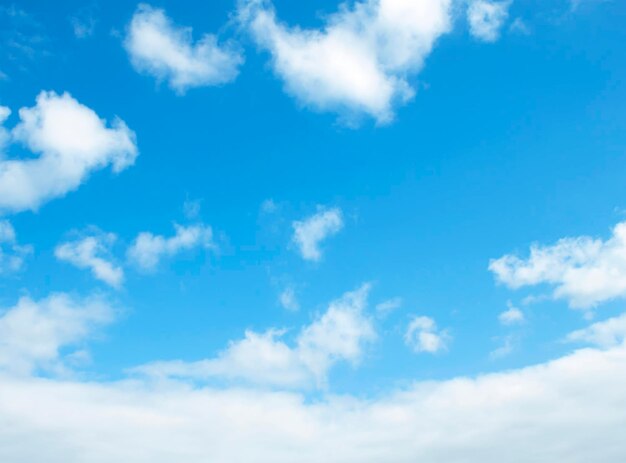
(166, 51)
(584, 271)
(360, 61)
(33, 333)
(422, 335)
(607, 333)
(148, 249)
(93, 253)
(310, 232)
(571, 409)
(511, 316)
(486, 18)
(71, 141)
(12, 254)
(340, 334)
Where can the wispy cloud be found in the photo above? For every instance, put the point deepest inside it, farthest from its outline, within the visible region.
(148, 249)
(93, 252)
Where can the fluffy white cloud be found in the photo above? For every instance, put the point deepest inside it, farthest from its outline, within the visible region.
(607, 333)
(71, 140)
(340, 334)
(422, 335)
(33, 333)
(571, 409)
(12, 255)
(158, 47)
(585, 271)
(310, 232)
(486, 18)
(360, 61)
(147, 250)
(93, 253)
(288, 299)
(511, 316)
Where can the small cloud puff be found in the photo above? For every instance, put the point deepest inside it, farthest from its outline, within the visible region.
(166, 51)
(310, 232)
(422, 335)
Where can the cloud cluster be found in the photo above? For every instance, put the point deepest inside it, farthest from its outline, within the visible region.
(340, 334)
(148, 249)
(359, 62)
(310, 232)
(71, 141)
(158, 47)
(33, 333)
(93, 253)
(583, 270)
(423, 336)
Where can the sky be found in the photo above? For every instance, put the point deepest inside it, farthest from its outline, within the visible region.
(277, 231)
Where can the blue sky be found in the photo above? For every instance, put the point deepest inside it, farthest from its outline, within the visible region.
(331, 210)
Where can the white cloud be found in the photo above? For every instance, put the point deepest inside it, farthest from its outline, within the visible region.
(93, 253)
(571, 409)
(310, 232)
(33, 333)
(386, 307)
(148, 249)
(12, 254)
(608, 333)
(584, 271)
(5, 135)
(340, 334)
(158, 47)
(422, 335)
(360, 61)
(511, 316)
(505, 349)
(486, 18)
(288, 299)
(72, 142)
